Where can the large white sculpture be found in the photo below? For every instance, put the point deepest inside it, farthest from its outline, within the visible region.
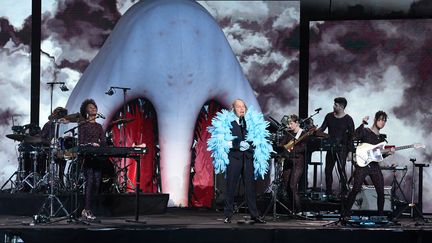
(174, 54)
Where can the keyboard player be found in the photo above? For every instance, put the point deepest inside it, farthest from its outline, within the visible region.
(91, 133)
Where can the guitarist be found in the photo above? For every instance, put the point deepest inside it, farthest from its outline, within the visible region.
(372, 136)
(294, 159)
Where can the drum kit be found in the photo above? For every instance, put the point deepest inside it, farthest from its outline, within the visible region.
(40, 158)
(35, 155)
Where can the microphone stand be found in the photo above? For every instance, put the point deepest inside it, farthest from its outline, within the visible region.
(72, 130)
(48, 205)
(122, 141)
(73, 215)
(51, 84)
(302, 121)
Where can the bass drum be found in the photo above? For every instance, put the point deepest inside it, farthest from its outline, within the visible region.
(108, 174)
(74, 178)
(74, 175)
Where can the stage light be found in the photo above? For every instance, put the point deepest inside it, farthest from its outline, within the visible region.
(63, 87)
(110, 91)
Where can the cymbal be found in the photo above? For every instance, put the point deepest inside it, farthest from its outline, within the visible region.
(74, 117)
(16, 137)
(35, 140)
(122, 121)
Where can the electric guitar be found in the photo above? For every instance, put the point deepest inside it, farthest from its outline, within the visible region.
(366, 153)
(290, 145)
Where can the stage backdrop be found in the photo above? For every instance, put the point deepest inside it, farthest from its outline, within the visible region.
(264, 36)
(378, 65)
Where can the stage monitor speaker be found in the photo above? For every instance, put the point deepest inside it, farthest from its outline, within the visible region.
(366, 200)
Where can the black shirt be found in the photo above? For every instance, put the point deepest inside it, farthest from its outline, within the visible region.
(47, 131)
(339, 129)
(366, 135)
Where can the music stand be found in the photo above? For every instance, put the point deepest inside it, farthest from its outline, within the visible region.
(396, 185)
(413, 206)
(137, 189)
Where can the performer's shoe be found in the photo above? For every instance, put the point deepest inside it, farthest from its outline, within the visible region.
(258, 220)
(227, 220)
(87, 214)
(345, 216)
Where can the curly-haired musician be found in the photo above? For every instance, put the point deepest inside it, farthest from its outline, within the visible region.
(91, 133)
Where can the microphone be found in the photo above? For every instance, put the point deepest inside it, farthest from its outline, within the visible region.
(365, 122)
(101, 116)
(242, 122)
(318, 110)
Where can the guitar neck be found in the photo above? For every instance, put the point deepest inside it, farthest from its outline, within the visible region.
(404, 147)
(304, 136)
(399, 148)
(292, 143)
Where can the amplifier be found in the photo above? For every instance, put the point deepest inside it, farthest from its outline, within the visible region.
(366, 199)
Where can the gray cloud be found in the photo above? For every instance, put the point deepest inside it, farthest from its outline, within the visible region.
(273, 64)
(75, 30)
(378, 64)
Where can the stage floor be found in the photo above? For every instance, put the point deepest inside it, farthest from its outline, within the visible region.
(202, 225)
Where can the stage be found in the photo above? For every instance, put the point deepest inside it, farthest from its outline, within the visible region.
(206, 225)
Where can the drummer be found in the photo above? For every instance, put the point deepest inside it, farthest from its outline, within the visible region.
(47, 134)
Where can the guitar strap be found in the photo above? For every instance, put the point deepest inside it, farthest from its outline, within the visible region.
(297, 136)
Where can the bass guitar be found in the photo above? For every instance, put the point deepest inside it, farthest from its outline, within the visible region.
(290, 145)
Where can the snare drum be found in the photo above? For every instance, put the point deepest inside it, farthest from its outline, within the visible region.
(69, 142)
(65, 144)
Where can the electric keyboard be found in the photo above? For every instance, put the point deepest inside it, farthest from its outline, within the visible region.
(108, 151)
(394, 167)
(322, 144)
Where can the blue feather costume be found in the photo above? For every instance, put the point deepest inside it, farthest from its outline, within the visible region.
(257, 134)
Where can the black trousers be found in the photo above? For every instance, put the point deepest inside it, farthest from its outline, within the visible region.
(331, 161)
(293, 170)
(243, 167)
(360, 173)
(93, 175)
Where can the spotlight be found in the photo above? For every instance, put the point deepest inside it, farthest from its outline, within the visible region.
(110, 91)
(63, 87)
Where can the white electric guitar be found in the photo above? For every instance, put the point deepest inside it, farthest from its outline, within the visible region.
(366, 153)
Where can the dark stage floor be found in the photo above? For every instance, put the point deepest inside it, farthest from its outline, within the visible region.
(193, 225)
